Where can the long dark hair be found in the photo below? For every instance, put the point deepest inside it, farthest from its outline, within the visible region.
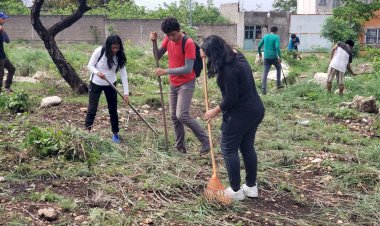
(121, 58)
(218, 53)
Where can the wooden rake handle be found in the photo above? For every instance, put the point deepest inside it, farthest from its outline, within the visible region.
(209, 121)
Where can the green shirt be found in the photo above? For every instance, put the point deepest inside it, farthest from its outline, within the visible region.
(271, 43)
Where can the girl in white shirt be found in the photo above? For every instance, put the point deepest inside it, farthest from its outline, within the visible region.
(105, 62)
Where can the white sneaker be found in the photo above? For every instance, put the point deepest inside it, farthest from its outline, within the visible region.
(234, 195)
(251, 192)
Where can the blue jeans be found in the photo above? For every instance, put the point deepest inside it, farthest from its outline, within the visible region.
(230, 144)
(267, 64)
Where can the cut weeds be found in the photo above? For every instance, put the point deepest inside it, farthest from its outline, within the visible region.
(321, 173)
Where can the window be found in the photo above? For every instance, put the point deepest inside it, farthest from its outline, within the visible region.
(322, 2)
(258, 33)
(249, 31)
(252, 32)
(372, 36)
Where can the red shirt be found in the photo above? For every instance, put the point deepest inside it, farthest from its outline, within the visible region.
(176, 59)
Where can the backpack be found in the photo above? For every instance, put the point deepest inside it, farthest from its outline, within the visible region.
(198, 64)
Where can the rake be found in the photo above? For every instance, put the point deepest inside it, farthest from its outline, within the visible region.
(134, 109)
(214, 189)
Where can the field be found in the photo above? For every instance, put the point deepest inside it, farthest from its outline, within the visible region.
(319, 163)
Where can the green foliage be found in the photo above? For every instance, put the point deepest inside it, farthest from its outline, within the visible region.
(285, 5)
(115, 9)
(68, 205)
(356, 11)
(336, 29)
(14, 7)
(70, 144)
(109, 217)
(46, 142)
(15, 102)
(46, 196)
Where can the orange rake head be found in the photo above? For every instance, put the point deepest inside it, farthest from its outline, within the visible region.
(215, 191)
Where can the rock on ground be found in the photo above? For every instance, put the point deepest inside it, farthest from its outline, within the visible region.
(365, 104)
(51, 101)
(320, 78)
(49, 214)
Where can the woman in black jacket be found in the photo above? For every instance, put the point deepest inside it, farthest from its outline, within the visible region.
(242, 111)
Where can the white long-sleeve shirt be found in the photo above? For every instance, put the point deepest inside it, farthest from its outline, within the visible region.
(110, 74)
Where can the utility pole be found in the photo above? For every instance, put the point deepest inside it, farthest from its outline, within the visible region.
(191, 12)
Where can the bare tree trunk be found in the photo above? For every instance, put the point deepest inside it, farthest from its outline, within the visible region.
(67, 71)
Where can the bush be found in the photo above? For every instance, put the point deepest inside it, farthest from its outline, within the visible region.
(335, 30)
(71, 144)
(15, 102)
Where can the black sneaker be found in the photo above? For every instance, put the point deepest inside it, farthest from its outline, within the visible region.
(280, 87)
(204, 150)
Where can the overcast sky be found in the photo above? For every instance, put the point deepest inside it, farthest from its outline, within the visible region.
(248, 5)
(260, 5)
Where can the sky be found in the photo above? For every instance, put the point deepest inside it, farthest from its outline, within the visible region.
(248, 5)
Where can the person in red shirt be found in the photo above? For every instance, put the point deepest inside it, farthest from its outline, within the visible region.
(182, 82)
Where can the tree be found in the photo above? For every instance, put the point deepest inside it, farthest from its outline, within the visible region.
(47, 35)
(289, 6)
(346, 22)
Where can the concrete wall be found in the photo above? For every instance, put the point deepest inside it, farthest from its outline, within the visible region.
(95, 28)
(228, 32)
(306, 7)
(232, 12)
(308, 29)
(280, 20)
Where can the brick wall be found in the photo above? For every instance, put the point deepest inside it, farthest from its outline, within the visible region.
(95, 28)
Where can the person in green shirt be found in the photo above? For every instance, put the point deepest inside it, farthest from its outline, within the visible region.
(272, 56)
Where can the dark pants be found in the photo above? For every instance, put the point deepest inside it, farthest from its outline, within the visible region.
(5, 63)
(111, 96)
(230, 144)
(267, 64)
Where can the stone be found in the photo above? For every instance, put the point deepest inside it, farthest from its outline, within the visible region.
(327, 178)
(272, 75)
(317, 160)
(320, 78)
(2, 179)
(364, 68)
(365, 104)
(49, 214)
(24, 79)
(79, 218)
(83, 110)
(39, 75)
(51, 101)
(148, 221)
(304, 122)
(145, 106)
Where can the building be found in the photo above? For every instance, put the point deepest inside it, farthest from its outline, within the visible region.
(321, 7)
(371, 29)
(252, 26)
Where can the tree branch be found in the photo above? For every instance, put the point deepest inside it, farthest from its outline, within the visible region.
(70, 20)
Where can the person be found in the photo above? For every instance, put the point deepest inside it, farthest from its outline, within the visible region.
(182, 82)
(340, 61)
(5, 63)
(293, 45)
(272, 56)
(105, 62)
(242, 111)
